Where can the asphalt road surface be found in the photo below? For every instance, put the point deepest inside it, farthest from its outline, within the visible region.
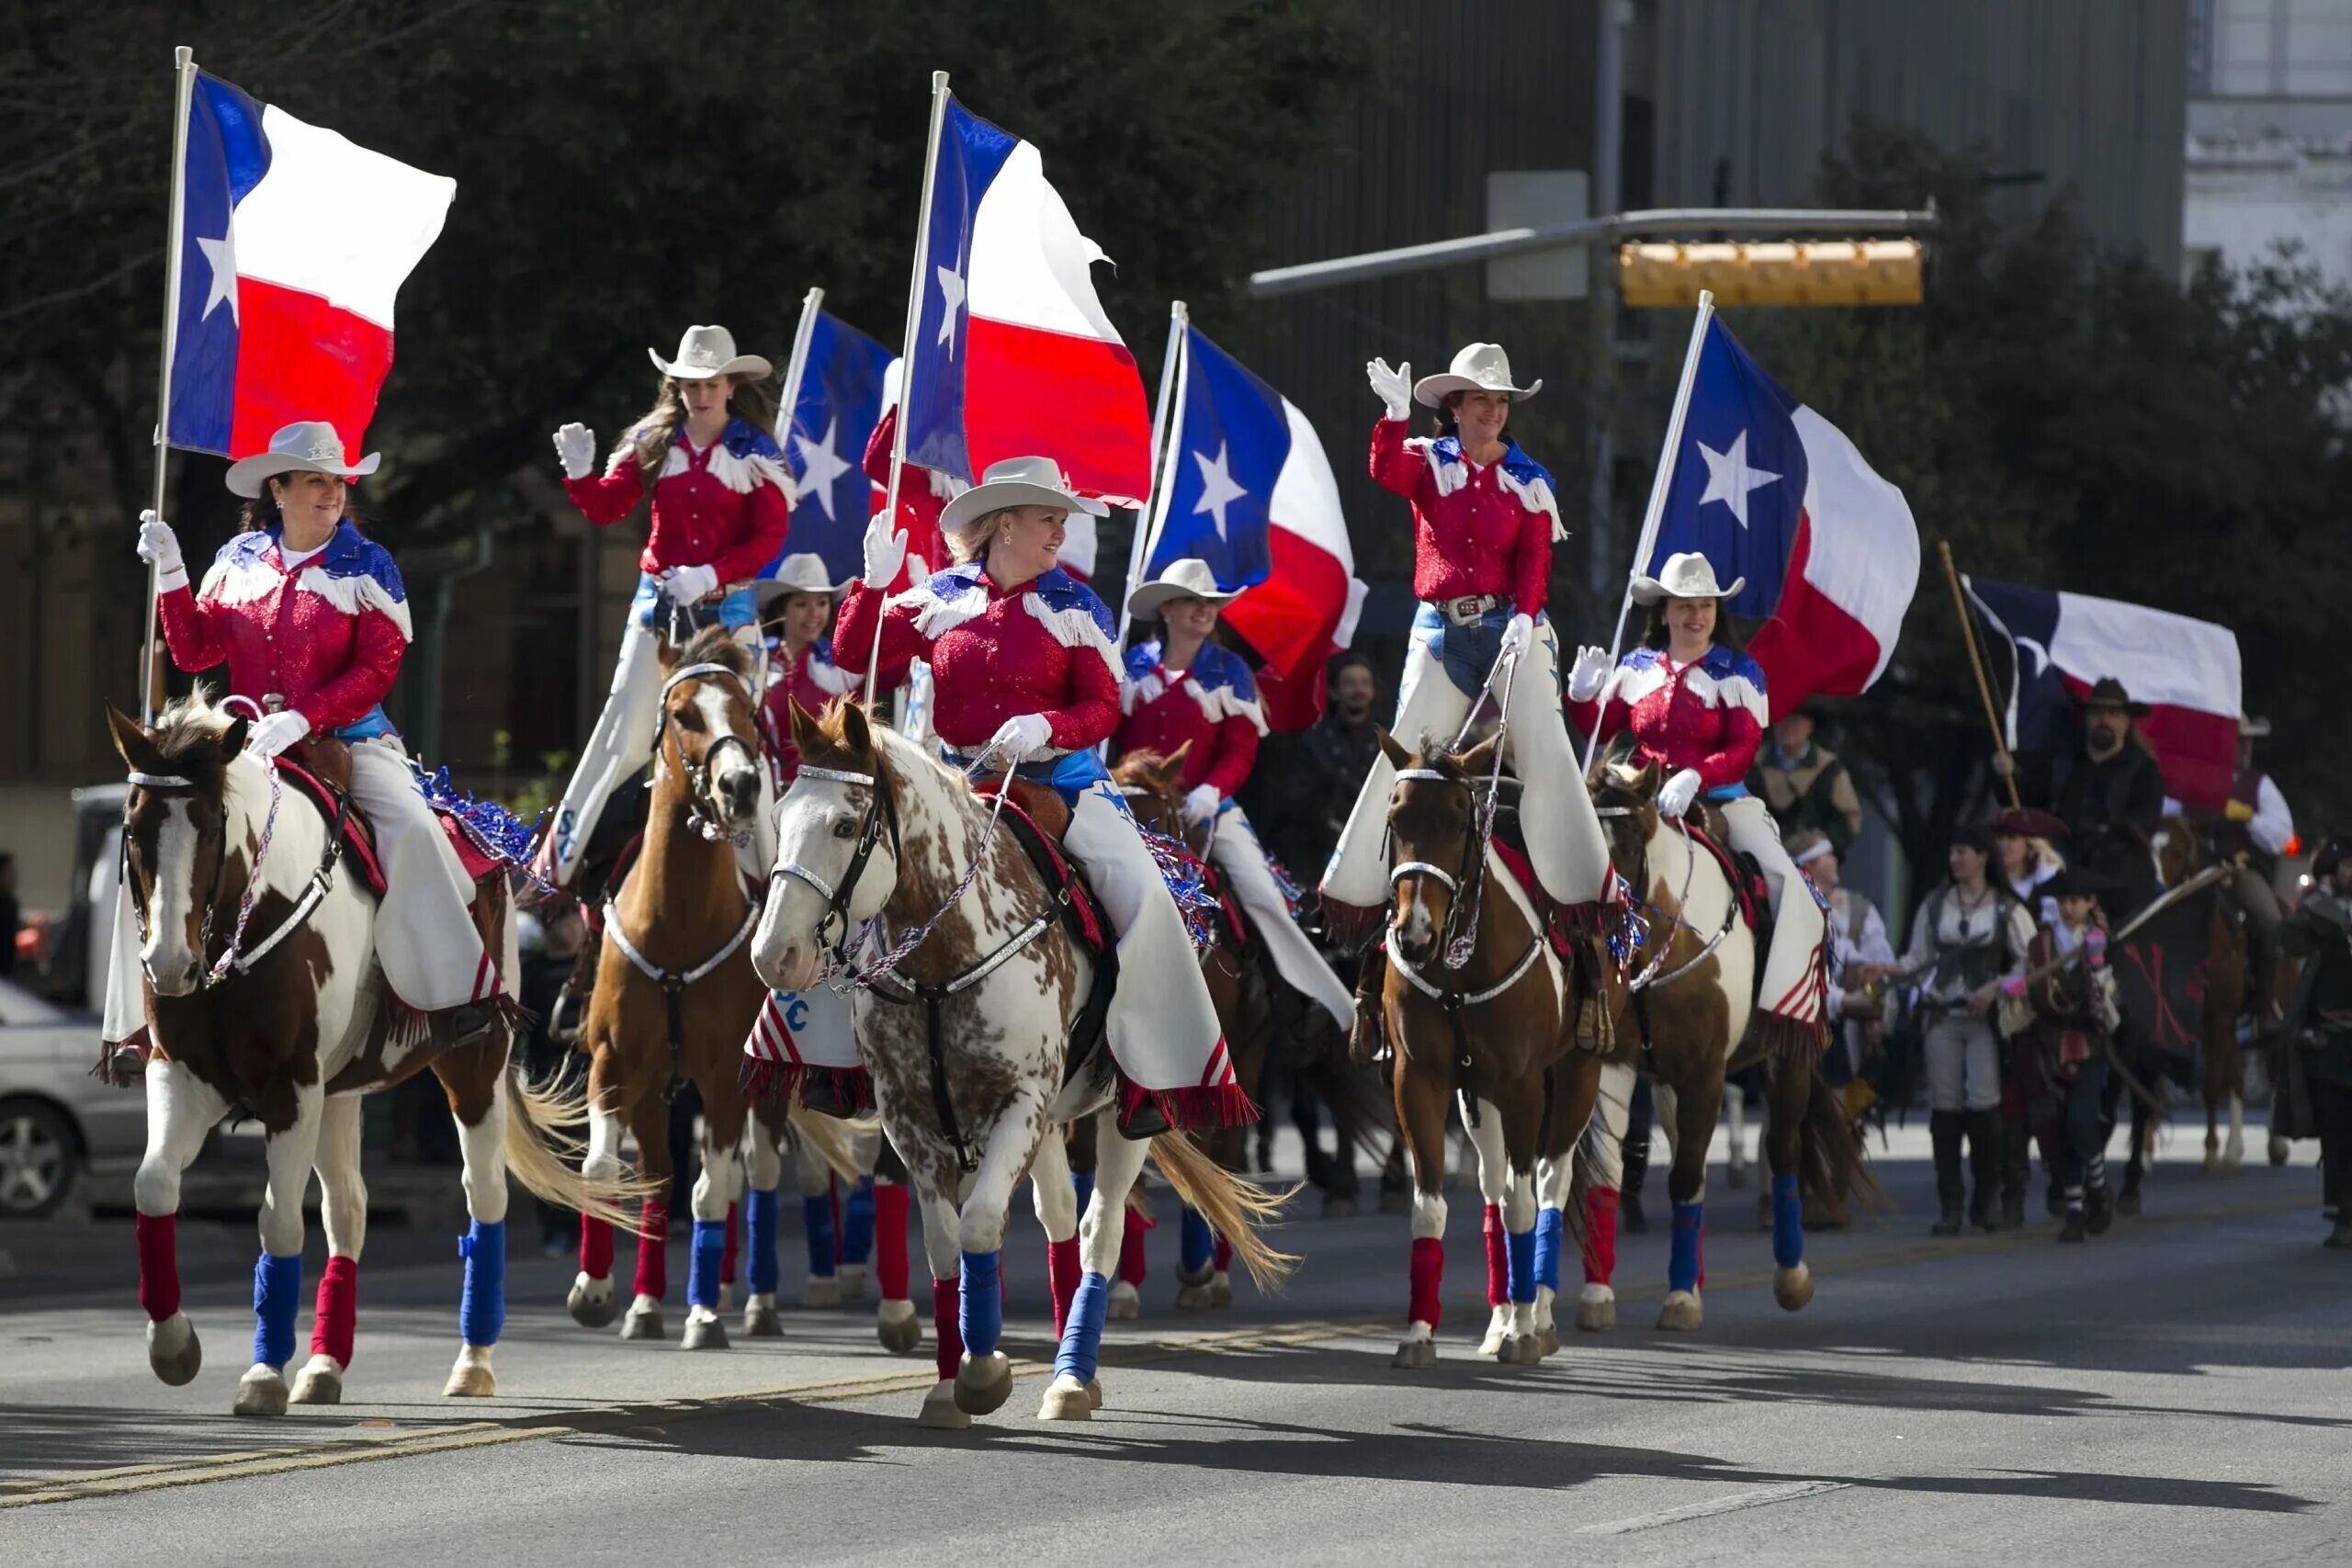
(2180, 1390)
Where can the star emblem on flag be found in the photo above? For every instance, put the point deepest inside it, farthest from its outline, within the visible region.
(1219, 490)
(222, 254)
(950, 290)
(1729, 479)
(821, 464)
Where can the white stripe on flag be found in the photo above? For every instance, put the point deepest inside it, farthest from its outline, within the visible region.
(329, 217)
(1865, 555)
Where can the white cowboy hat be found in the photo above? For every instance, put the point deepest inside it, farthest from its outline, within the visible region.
(1186, 579)
(1687, 575)
(1481, 368)
(1016, 482)
(706, 352)
(2253, 729)
(802, 572)
(308, 446)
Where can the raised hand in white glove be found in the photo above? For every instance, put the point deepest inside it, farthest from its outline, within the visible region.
(273, 732)
(1518, 633)
(1021, 736)
(690, 585)
(576, 448)
(1589, 674)
(885, 551)
(1394, 388)
(1201, 804)
(159, 545)
(1674, 797)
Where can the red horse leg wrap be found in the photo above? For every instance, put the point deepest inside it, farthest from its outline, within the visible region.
(1062, 1272)
(653, 1251)
(159, 1265)
(1497, 1257)
(338, 1310)
(1599, 1234)
(595, 1248)
(948, 1323)
(1429, 1275)
(1131, 1264)
(1224, 1254)
(727, 1258)
(890, 1240)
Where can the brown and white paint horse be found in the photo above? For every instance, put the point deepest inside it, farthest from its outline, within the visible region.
(252, 1002)
(874, 829)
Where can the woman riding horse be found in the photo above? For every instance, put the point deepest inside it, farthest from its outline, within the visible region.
(722, 506)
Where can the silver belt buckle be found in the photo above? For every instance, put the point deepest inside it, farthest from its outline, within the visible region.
(273, 702)
(1465, 610)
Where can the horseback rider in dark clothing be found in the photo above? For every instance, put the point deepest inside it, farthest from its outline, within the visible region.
(2109, 794)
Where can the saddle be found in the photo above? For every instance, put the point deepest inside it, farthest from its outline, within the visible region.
(1746, 876)
(319, 769)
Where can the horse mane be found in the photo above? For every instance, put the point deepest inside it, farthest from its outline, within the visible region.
(717, 645)
(833, 748)
(189, 732)
(1155, 770)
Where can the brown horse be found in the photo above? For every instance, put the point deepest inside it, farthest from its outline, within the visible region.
(675, 995)
(262, 992)
(2181, 853)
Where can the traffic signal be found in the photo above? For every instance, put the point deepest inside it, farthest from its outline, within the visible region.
(1779, 272)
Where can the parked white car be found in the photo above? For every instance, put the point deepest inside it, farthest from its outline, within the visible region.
(58, 1124)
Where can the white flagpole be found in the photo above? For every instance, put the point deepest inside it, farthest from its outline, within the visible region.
(184, 67)
(1167, 416)
(795, 369)
(1660, 483)
(907, 351)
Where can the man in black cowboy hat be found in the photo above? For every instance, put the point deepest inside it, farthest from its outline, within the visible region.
(2109, 793)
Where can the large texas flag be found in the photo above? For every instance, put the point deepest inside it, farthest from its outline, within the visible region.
(1013, 355)
(1768, 489)
(1250, 492)
(844, 382)
(2186, 671)
(293, 243)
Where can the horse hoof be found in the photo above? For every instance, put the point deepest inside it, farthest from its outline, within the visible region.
(1067, 1400)
(703, 1333)
(1793, 1288)
(320, 1382)
(2232, 1164)
(761, 1320)
(1094, 1392)
(983, 1383)
(1494, 1345)
(1682, 1313)
(1547, 1342)
(2213, 1163)
(173, 1351)
(261, 1392)
(472, 1377)
(2128, 1204)
(822, 1290)
(1521, 1350)
(900, 1330)
(1192, 1298)
(642, 1323)
(1597, 1313)
(1415, 1355)
(2280, 1151)
(1341, 1207)
(852, 1280)
(593, 1302)
(1125, 1303)
(1221, 1290)
(940, 1410)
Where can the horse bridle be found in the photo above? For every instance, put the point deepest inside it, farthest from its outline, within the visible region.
(879, 818)
(698, 776)
(1473, 847)
(236, 956)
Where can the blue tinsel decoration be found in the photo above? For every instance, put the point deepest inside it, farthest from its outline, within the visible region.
(1287, 884)
(494, 830)
(1181, 870)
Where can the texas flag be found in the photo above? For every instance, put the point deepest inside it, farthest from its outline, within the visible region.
(293, 242)
(2059, 645)
(844, 383)
(1014, 357)
(1248, 491)
(1768, 489)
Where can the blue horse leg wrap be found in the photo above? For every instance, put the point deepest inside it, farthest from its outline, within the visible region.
(817, 1221)
(481, 1311)
(277, 1293)
(759, 1241)
(1788, 1223)
(981, 1312)
(709, 1253)
(1682, 1263)
(1081, 1348)
(857, 1222)
(1196, 1242)
(1083, 1180)
(1519, 1245)
(1550, 1225)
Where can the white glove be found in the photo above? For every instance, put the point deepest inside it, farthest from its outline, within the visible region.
(1517, 633)
(1021, 736)
(576, 448)
(1674, 797)
(1589, 674)
(273, 732)
(1394, 388)
(159, 545)
(690, 585)
(885, 551)
(1201, 804)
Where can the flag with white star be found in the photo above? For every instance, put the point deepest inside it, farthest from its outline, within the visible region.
(1768, 491)
(282, 317)
(834, 410)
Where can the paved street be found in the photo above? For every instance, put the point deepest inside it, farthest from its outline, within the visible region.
(2179, 1391)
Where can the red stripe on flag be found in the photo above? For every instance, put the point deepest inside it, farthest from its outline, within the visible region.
(1811, 645)
(1078, 400)
(1289, 618)
(299, 357)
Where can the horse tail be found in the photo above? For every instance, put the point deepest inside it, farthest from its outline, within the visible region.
(1233, 1208)
(830, 1138)
(1832, 1165)
(542, 1143)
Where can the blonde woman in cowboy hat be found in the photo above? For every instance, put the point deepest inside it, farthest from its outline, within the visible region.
(1484, 521)
(310, 617)
(1183, 689)
(1024, 673)
(1695, 704)
(802, 600)
(722, 506)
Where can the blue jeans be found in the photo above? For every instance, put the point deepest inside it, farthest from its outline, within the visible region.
(1467, 654)
(650, 608)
